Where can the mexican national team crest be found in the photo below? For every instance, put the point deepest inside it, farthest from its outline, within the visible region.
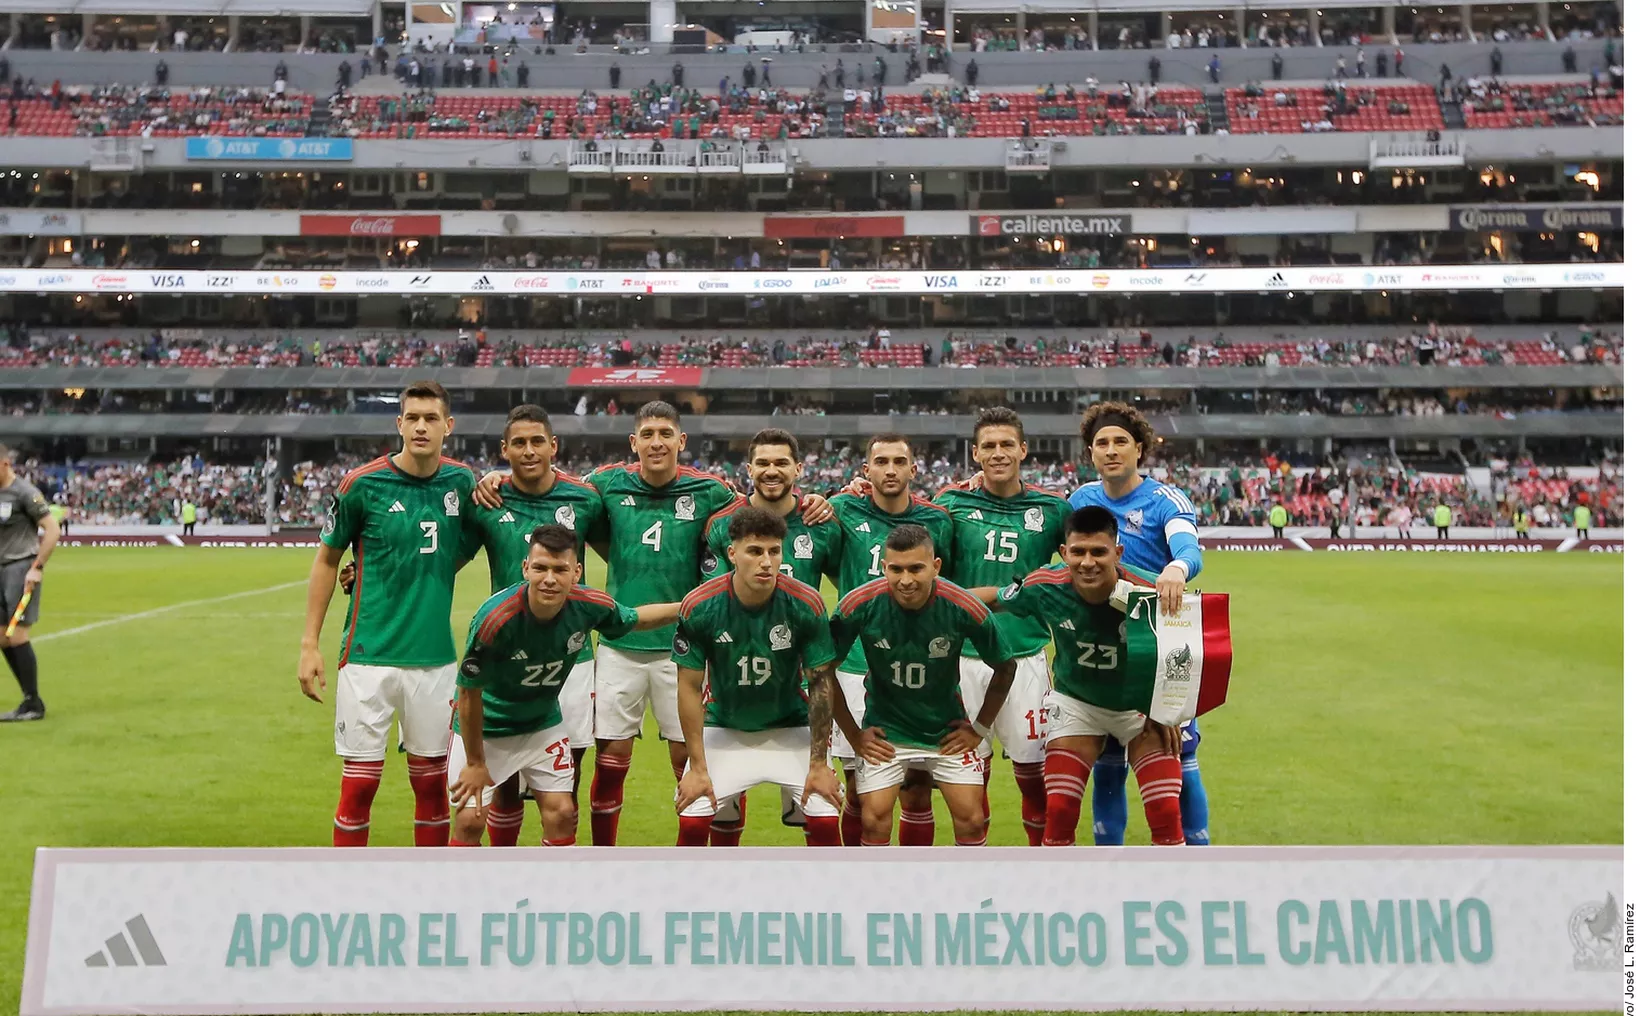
(780, 637)
(1033, 520)
(576, 642)
(1178, 665)
(565, 516)
(1593, 928)
(684, 509)
(1134, 520)
(452, 503)
(939, 648)
(803, 547)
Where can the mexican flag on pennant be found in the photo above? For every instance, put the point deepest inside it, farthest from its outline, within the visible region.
(1189, 652)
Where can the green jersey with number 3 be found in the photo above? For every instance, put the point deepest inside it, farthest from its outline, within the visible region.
(406, 533)
(655, 539)
(865, 527)
(809, 553)
(754, 659)
(520, 663)
(1101, 656)
(913, 681)
(998, 539)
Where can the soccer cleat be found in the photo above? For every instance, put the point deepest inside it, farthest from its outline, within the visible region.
(28, 709)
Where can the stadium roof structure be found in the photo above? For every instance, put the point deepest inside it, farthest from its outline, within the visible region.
(196, 8)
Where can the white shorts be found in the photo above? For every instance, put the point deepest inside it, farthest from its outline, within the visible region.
(541, 759)
(575, 699)
(1071, 717)
(854, 694)
(622, 682)
(739, 760)
(368, 696)
(968, 767)
(1021, 727)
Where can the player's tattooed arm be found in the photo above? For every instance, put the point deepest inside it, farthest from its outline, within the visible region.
(656, 615)
(820, 713)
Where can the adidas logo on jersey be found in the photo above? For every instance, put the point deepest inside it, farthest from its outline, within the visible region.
(864, 527)
(396, 508)
(884, 644)
(507, 518)
(1067, 625)
(627, 502)
(977, 514)
(521, 655)
(723, 637)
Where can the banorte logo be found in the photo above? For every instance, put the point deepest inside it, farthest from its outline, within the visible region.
(327, 281)
(372, 225)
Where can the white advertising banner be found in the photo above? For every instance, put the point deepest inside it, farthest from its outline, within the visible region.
(313, 930)
(596, 284)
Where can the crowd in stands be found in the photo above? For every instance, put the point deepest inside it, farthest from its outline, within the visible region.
(1501, 105)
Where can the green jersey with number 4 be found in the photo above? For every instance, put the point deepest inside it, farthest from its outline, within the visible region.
(913, 681)
(865, 527)
(754, 659)
(520, 663)
(1101, 655)
(655, 538)
(998, 539)
(406, 533)
(809, 553)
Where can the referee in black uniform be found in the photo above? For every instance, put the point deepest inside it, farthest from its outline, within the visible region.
(24, 517)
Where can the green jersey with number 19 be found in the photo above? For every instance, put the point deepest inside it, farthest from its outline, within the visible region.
(520, 663)
(913, 682)
(998, 539)
(655, 539)
(754, 658)
(865, 528)
(809, 553)
(1101, 656)
(406, 534)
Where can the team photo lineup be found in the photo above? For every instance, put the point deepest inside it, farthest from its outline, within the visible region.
(935, 657)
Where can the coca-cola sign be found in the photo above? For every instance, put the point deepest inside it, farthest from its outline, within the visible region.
(371, 225)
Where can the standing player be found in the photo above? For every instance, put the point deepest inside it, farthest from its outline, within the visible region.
(865, 520)
(537, 494)
(747, 645)
(1004, 529)
(1104, 674)
(1158, 535)
(402, 516)
(523, 644)
(28, 535)
(809, 553)
(912, 624)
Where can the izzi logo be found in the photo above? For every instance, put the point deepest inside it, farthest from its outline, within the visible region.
(117, 948)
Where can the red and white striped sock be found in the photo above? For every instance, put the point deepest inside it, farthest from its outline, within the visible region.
(460, 843)
(1160, 781)
(568, 841)
(428, 781)
(849, 827)
(694, 830)
(608, 793)
(1064, 781)
(503, 824)
(1033, 800)
(872, 843)
(360, 781)
(822, 831)
(980, 842)
(916, 828)
(728, 834)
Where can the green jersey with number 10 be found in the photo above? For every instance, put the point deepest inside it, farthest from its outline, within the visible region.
(998, 539)
(865, 528)
(655, 539)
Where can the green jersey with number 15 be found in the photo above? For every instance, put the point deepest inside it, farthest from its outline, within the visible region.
(655, 539)
(865, 527)
(998, 539)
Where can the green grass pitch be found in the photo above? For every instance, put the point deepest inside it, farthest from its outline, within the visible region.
(1375, 699)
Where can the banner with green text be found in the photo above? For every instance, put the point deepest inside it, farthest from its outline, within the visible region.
(288, 930)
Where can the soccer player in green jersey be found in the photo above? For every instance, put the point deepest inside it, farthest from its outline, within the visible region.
(523, 643)
(747, 646)
(912, 625)
(1102, 618)
(1005, 528)
(402, 517)
(865, 519)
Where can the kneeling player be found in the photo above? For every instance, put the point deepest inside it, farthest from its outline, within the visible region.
(745, 643)
(521, 647)
(1102, 619)
(912, 625)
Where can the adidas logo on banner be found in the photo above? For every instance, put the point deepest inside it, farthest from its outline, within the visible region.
(521, 655)
(864, 527)
(883, 644)
(119, 948)
(977, 514)
(396, 508)
(1067, 625)
(724, 636)
(627, 502)
(507, 518)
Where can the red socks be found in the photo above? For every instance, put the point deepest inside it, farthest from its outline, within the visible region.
(872, 843)
(822, 831)
(1160, 780)
(458, 843)
(728, 835)
(916, 828)
(694, 830)
(849, 827)
(608, 793)
(568, 842)
(428, 782)
(503, 824)
(1033, 800)
(360, 781)
(973, 843)
(1064, 783)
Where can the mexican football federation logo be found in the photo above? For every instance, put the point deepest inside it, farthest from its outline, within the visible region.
(576, 642)
(1177, 665)
(1593, 928)
(452, 504)
(1033, 520)
(565, 516)
(684, 509)
(939, 648)
(780, 637)
(803, 547)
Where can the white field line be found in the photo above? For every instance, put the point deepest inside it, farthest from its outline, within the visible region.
(139, 615)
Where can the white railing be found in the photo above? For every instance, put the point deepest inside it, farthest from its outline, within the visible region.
(1414, 152)
(1029, 160)
(593, 160)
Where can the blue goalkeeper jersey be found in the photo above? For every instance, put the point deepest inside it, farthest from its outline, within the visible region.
(1156, 524)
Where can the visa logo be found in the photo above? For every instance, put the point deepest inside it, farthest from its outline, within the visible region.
(165, 281)
(940, 281)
